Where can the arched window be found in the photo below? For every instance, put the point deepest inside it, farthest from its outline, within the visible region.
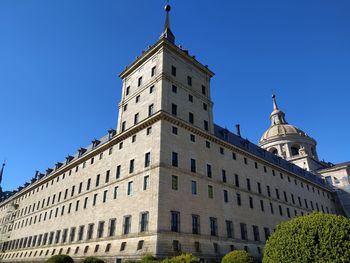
(295, 150)
(273, 151)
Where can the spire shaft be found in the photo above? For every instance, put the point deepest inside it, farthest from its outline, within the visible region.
(167, 34)
(1, 172)
(275, 107)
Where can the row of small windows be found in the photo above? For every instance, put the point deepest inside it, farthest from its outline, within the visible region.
(213, 227)
(80, 233)
(140, 80)
(70, 192)
(54, 213)
(189, 80)
(190, 117)
(210, 194)
(222, 151)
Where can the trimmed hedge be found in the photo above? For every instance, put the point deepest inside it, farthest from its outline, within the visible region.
(91, 260)
(237, 256)
(60, 259)
(183, 258)
(315, 237)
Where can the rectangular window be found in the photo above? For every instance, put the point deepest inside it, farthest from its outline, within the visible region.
(174, 182)
(153, 71)
(236, 180)
(100, 229)
(111, 228)
(90, 231)
(256, 233)
(130, 184)
(192, 138)
(223, 176)
(267, 233)
(72, 234)
(174, 159)
(285, 196)
(280, 209)
(147, 159)
(146, 182)
(81, 233)
(206, 125)
(107, 176)
(225, 196)
(259, 187)
(277, 194)
(251, 202)
(190, 98)
(105, 196)
(94, 200)
(71, 194)
(127, 225)
(174, 89)
(195, 224)
(123, 126)
(262, 205)
(244, 235)
(115, 194)
(210, 192)
(213, 226)
(175, 221)
(149, 130)
(117, 175)
(248, 184)
(173, 109)
(207, 144)
(239, 202)
(127, 91)
(271, 208)
(144, 222)
(139, 82)
(194, 187)
(205, 106)
(97, 180)
(136, 118)
(268, 191)
(190, 117)
(174, 130)
(85, 202)
(137, 99)
(203, 90)
(189, 81)
(173, 71)
(131, 166)
(229, 228)
(150, 109)
(209, 174)
(193, 165)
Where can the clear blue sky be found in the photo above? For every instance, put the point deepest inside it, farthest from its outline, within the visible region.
(60, 60)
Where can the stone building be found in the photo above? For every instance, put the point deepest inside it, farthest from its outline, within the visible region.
(167, 180)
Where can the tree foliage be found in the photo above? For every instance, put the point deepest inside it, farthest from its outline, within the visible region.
(315, 237)
(91, 260)
(237, 256)
(60, 259)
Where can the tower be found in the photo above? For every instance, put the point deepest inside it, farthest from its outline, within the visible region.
(289, 142)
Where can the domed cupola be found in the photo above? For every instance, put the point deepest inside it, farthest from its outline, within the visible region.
(288, 141)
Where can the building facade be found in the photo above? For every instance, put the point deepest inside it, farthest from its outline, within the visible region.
(166, 181)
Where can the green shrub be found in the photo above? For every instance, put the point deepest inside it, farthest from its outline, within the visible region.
(91, 260)
(237, 256)
(60, 259)
(315, 237)
(183, 258)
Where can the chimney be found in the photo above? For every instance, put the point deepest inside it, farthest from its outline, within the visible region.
(238, 130)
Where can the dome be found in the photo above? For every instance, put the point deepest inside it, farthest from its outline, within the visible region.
(281, 130)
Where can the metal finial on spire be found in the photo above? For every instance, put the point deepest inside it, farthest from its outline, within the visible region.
(167, 32)
(275, 107)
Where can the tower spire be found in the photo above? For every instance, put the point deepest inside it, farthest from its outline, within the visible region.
(2, 171)
(275, 107)
(277, 116)
(166, 31)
